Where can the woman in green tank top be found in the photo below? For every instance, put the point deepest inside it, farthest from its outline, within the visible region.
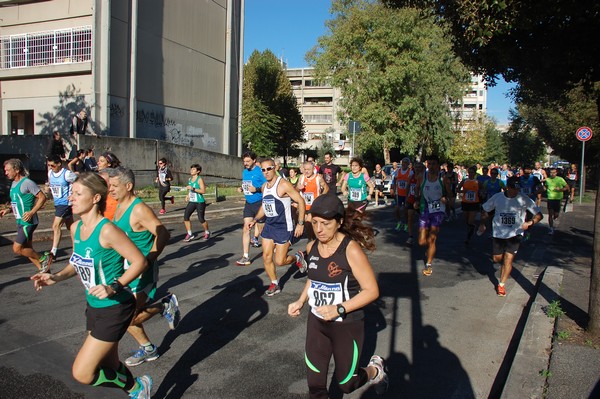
(99, 248)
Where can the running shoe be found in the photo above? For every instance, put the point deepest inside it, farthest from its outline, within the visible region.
(142, 355)
(255, 242)
(145, 387)
(301, 262)
(380, 381)
(162, 211)
(500, 290)
(189, 237)
(427, 270)
(45, 262)
(206, 235)
(244, 261)
(171, 311)
(409, 241)
(172, 200)
(273, 290)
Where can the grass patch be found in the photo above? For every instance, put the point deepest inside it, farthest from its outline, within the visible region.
(562, 335)
(545, 373)
(554, 310)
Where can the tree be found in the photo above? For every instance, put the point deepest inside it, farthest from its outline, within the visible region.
(271, 122)
(326, 143)
(397, 75)
(495, 147)
(524, 146)
(469, 144)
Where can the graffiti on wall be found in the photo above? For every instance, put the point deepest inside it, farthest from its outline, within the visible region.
(116, 111)
(155, 119)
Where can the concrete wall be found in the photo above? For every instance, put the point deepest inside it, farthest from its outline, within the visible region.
(140, 155)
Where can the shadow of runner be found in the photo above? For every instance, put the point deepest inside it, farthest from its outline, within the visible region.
(218, 321)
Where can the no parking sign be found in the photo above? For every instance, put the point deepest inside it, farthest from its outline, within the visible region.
(584, 133)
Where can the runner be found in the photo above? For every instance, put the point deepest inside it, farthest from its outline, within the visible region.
(410, 199)
(252, 181)
(279, 229)
(508, 226)
(400, 186)
(59, 180)
(99, 251)
(355, 185)
(340, 284)
(573, 177)
(470, 205)
(149, 235)
(26, 199)
(430, 198)
(505, 173)
(379, 177)
(490, 188)
(554, 186)
(452, 177)
(311, 186)
(541, 176)
(530, 186)
(195, 197)
(163, 179)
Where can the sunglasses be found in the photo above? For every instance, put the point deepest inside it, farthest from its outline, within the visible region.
(268, 168)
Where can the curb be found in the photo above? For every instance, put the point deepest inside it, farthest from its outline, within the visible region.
(525, 378)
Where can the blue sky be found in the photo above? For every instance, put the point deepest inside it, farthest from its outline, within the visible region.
(290, 28)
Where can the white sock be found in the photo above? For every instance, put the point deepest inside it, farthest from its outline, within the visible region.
(276, 282)
(54, 250)
(190, 232)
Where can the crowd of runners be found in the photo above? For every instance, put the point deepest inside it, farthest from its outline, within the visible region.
(117, 241)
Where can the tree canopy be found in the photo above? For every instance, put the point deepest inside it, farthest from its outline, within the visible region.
(271, 122)
(397, 74)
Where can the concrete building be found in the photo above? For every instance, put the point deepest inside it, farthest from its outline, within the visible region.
(319, 106)
(181, 83)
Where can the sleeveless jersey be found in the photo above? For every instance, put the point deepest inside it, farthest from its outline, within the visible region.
(378, 178)
(331, 280)
(60, 185)
(412, 185)
(503, 175)
(402, 181)
(357, 187)
(277, 209)
(97, 265)
(21, 203)
(311, 189)
(538, 173)
(195, 196)
(528, 185)
(431, 195)
(470, 191)
(493, 187)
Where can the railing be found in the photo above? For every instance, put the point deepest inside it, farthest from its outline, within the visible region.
(54, 47)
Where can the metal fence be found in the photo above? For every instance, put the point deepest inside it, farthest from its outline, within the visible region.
(60, 46)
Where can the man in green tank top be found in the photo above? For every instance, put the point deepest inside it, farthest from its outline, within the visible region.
(25, 200)
(142, 226)
(555, 187)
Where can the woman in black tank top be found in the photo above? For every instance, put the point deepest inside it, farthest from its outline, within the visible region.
(341, 282)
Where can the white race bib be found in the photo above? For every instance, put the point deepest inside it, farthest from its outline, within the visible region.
(355, 194)
(246, 184)
(470, 196)
(321, 294)
(269, 207)
(434, 206)
(572, 176)
(508, 219)
(85, 270)
(309, 197)
(378, 182)
(56, 191)
(15, 210)
(193, 196)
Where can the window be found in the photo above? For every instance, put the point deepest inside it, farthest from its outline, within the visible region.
(46, 48)
(21, 122)
(317, 118)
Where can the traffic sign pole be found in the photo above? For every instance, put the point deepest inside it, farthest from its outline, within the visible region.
(583, 134)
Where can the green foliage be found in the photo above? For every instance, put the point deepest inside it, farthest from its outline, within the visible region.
(271, 122)
(554, 310)
(326, 144)
(397, 74)
(495, 147)
(545, 373)
(469, 144)
(562, 335)
(522, 142)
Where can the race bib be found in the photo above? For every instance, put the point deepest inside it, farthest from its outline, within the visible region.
(572, 177)
(402, 184)
(85, 270)
(434, 206)
(508, 219)
(470, 196)
(246, 184)
(15, 210)
(321, 294)
(355, 194)
(56, 191)
(526, 190)
(309, 197)
(269, 207)
(193, 196)
(378, 182)
(412, 189)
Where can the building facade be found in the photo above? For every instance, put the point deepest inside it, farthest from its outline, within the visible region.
(181, 83)
(319, 106)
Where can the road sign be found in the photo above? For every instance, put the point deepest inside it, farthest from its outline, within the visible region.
(584, 133)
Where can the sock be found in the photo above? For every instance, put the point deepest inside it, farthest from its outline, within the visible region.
(189, 232)
(131, 382)
(245, 254)
(501, 284)
(206, 232)
(106, 377)
(276, 282)
(148, 347)
(54, 250)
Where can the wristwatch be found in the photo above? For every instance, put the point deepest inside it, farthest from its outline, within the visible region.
(301, 222)
(116, 287)
(341, 310)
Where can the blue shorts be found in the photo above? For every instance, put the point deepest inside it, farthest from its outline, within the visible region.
(278, 235)
(63, 211)
(428, 220)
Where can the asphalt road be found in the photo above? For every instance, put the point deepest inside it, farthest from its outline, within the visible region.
(447, 335)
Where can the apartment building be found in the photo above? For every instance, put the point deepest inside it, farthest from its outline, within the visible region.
(319, 106)
(162, 69)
